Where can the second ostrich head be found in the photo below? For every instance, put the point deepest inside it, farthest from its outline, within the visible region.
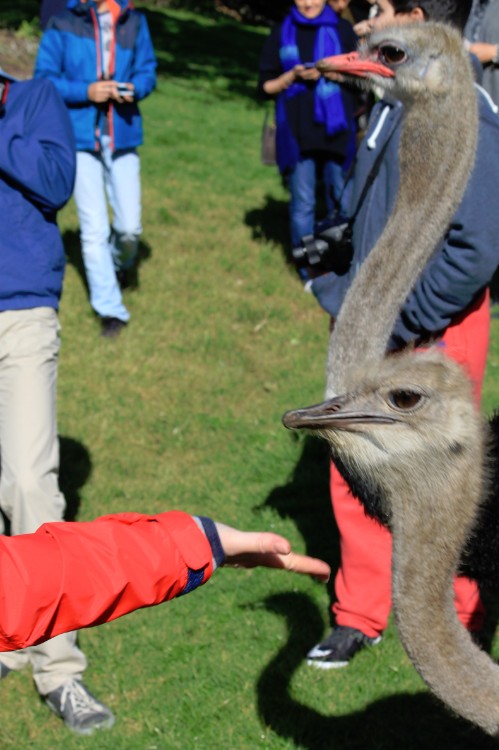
(414, 449)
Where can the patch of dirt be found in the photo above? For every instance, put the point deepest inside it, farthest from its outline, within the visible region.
(17, 54)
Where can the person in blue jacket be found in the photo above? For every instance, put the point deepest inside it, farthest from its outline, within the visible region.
(449, 302)
(100, 57)
(37, 169)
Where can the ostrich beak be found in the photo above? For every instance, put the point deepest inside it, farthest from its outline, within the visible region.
(354, 65)
(334, 415)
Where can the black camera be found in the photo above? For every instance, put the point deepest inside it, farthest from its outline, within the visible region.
(328, 249)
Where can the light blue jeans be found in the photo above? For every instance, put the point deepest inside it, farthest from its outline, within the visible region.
(302, 185)
(107, 249)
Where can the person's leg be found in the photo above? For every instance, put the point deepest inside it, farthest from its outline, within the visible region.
(29, 490)
(30, 496)
(29, 348)
(362, 584)
(467, 341)
(469, 607)
(90, 199)
(302, 185)
(363, 580)
(337, 192)
(123, 189)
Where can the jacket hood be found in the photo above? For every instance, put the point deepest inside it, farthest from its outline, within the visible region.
(117, 7)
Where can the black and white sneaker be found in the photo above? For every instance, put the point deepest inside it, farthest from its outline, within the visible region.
(339, 647)
(77, 707)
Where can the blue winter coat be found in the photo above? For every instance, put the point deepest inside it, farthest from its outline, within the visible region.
(37, 169)
(70, 56)
(464, 263)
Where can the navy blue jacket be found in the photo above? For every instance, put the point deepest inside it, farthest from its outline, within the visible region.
(465, 262)
(37, 168)
(70, 56)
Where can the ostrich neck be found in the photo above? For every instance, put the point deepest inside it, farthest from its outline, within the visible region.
(437, 152)
(427, 541)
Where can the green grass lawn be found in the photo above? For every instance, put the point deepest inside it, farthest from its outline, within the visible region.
(183, 411)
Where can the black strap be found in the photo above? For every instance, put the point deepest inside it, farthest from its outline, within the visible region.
(370, 179)
(367, 185)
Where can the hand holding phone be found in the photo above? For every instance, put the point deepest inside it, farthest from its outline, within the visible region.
(125, 89)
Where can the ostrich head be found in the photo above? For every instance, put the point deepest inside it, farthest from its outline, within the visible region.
(410, 422)
(408, 61)
(424, 65)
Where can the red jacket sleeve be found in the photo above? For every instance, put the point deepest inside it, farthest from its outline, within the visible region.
(68, 576)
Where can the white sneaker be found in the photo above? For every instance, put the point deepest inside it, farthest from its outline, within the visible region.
(78, 708)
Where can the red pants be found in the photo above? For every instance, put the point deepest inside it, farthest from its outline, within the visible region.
(363, 581)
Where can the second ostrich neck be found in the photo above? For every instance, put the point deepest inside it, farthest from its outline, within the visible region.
(437, 153)
(441, 649)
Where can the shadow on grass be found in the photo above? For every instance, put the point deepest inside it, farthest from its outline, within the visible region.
(75, 470)
(270, 223)
(411, 722)
(305, 499)
(208, 51)
(71, 239)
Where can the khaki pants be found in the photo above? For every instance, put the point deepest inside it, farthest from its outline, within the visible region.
(29, 450)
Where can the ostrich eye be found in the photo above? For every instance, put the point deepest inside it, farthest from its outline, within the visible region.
(404, 399)
(389, 54)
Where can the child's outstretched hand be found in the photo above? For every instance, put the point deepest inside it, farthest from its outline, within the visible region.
(250, 549)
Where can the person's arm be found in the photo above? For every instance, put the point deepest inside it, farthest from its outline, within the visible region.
(486, 53)
(68, 576)
(468, 257)
(273, 80)
(37, 151)
(144, 66)
(49, 64)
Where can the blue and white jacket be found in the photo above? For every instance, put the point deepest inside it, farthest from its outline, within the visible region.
(70, 55)
(37, 169)
(465, 262)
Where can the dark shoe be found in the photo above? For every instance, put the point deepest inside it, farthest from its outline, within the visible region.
(112, 327)
(128, 279)
(123, 280)
(4, 670)
(339, 647)
(77, 707)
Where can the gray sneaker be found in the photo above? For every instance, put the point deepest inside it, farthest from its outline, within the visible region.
(78, 708)
(339, 647)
